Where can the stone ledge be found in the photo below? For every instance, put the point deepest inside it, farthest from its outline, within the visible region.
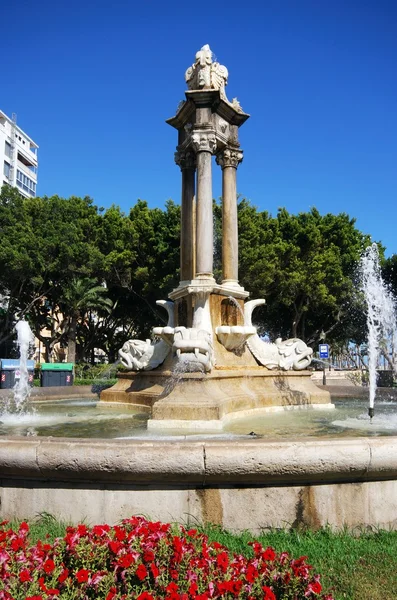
(207, 462)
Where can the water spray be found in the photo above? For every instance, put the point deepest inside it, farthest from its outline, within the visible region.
(25, 338)
(381, 315)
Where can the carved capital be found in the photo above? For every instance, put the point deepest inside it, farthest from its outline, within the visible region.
(203, 141)
(229, 157)
(185, 160)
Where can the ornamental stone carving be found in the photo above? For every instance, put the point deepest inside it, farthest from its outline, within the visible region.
(229, 157)
(203, 141)
(288, 354)
(205, 74)
(139, 355)
(193, 349)
(185, 160)
(236, 105)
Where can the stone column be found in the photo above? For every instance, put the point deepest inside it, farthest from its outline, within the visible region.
(187, 163)
(204, 144)
(229, 159)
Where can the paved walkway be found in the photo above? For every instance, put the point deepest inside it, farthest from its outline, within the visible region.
(356, 391)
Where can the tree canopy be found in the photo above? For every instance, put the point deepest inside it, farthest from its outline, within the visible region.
(65, 262)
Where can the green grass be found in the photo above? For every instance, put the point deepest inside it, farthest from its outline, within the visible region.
(354, 565)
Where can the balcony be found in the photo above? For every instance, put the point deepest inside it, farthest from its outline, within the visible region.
(27, 165)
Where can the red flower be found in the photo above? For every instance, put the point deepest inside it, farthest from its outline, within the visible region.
(222, 561)
(115, 546)
(257, 547)
(155, 571)
(120, 534)
(42, 585)
(34, 598)
(193, 588)
(49, 566)
(314, 587)
(82, 575)
(25, 576)
(63, 575)
(171, 588)
(269, 554)
(100, 529)
(16, 544)
(269, 595)
(251, 574)
(111, 594)
(126, 560)
(235, 586)
(82, 530)
(148, 556)
(144, 596)
(141, 572)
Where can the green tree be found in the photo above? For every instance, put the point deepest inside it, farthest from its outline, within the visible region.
(151, 269)
(304, 265)
(45, 241)
(78, 297)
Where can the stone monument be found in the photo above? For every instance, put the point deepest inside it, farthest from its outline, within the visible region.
(208, 364)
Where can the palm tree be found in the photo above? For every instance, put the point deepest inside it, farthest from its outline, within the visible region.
(79, 296)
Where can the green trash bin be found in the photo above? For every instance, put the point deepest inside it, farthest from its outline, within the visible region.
(56, 374)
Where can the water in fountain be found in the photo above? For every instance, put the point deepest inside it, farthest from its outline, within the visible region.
(25, 338)
(381, 315)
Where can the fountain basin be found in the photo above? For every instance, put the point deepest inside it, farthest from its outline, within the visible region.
(278, 478)
(238, 484)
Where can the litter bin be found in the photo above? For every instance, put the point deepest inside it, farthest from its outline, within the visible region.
(56, 374)
(10, 371)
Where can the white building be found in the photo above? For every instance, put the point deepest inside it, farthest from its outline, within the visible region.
(18, 157)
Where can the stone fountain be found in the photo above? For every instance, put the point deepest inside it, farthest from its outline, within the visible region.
(208, 364)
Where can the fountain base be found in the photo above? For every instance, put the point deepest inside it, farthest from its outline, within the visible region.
(206, 401)
(233, 383)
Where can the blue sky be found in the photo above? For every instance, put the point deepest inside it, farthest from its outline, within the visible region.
(93, 83)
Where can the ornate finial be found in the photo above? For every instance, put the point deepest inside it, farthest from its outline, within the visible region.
(205, 74)
(236, 105)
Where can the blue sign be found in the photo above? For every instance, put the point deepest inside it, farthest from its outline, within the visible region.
(323, 350)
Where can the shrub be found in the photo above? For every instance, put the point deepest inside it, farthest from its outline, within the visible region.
(143, 560)
(88, 371)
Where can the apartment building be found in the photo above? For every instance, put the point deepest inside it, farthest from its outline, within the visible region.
(18, 157)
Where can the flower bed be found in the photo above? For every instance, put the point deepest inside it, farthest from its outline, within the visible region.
(142, 560)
